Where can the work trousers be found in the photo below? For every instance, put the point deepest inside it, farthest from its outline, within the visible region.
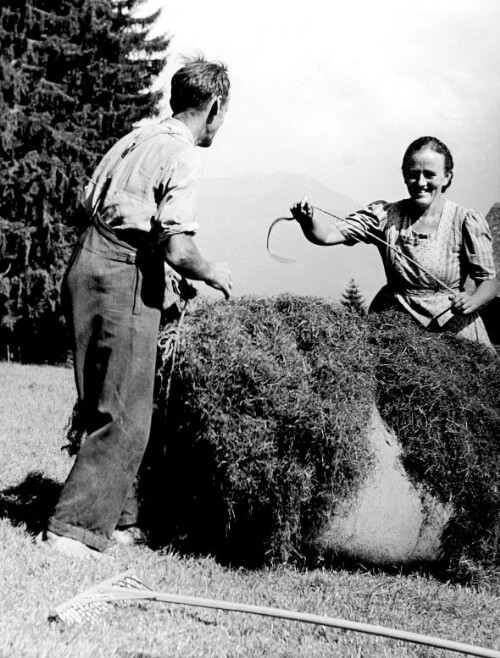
(112, 293)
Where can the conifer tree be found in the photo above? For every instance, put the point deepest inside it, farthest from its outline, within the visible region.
(352, 298)
(74, 76)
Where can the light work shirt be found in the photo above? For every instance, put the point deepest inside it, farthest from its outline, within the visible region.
(148, 180)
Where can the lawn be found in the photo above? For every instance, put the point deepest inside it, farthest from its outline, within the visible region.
(35, 403)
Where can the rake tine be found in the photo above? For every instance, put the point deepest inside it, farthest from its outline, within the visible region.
(95, 601)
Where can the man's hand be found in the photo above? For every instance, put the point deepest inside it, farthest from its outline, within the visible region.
(183, 256)
(220, 278)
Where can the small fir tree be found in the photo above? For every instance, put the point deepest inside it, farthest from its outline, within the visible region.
(352, 298)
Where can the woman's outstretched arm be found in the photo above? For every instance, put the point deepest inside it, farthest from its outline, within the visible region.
(318, 230)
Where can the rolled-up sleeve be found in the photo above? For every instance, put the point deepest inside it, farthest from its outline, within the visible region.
(177, 191)
(362, 224)
(478, 247)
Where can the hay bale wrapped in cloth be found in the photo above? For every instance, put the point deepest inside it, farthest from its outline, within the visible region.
(296, 429)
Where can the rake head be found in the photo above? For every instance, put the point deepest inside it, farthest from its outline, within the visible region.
(96, 601)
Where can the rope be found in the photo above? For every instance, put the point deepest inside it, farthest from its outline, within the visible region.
(169, 345)
(394, 248)
(280, 259)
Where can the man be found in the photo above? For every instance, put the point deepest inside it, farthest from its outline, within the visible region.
(141, 201)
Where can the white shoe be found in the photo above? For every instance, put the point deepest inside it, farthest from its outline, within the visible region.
(131, 536)
(65, 545)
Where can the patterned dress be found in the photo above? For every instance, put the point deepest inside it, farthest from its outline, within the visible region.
(460, 247)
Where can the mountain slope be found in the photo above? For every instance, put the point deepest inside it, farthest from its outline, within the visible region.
(235, 214)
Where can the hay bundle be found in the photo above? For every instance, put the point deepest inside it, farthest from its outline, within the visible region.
(265, 423)
(265, 433)
(441, 397)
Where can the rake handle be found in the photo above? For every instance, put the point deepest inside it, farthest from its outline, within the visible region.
(359, 627)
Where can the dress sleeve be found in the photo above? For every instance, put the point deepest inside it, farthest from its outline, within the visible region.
(176, 193)
(360, 225)
(478, 247)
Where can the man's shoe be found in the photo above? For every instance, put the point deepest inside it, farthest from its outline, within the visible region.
(129, 536)
(65, 545)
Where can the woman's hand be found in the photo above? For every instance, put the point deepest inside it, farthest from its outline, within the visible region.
(464, 304)
(303, 212)
(319, 230)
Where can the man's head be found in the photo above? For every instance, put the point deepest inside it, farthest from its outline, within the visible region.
(200, 91)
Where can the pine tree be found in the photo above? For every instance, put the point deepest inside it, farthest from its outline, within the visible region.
(74, 76)
(352, 298)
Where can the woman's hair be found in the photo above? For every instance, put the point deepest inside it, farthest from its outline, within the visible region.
(197, 82)
(435, 145)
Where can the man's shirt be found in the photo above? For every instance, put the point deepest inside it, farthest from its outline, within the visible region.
(148, 180)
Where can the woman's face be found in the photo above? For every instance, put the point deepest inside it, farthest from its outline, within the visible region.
(425, 177)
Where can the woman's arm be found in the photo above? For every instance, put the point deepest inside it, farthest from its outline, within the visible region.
(465, 303)
(318, 230)
(478, 253)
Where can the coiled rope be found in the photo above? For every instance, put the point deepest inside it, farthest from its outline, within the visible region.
(168, 345)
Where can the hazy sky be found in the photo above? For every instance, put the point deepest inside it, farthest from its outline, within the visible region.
(337, 90)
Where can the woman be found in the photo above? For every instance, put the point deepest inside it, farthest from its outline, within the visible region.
(447, 240)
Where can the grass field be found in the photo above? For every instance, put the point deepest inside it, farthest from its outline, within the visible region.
(35, 403)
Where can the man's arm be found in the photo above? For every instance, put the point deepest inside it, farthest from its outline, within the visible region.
(182, 254)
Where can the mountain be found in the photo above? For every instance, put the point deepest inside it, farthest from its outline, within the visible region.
(235, 214)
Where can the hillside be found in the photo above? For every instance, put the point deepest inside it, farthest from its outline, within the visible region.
(235, 214)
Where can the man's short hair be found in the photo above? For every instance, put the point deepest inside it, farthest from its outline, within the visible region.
(196, 83)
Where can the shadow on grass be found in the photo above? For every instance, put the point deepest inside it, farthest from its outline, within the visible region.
(182, 509)
(426, 569)
(30, 502)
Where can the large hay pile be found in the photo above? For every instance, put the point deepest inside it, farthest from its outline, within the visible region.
(265, 427)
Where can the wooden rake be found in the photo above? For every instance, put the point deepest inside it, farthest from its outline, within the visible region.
(127, 588)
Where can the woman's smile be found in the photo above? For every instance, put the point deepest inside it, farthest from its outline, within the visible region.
(425, 177)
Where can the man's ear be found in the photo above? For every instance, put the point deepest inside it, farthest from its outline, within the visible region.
(214, 108)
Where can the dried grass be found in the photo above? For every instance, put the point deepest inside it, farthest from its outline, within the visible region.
(265, 424)
(441, 396)
(264, 430)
